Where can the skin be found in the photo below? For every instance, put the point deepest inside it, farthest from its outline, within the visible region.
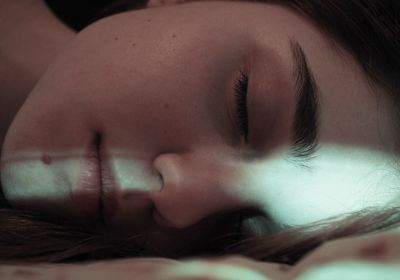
(160, 93)
(24, 58)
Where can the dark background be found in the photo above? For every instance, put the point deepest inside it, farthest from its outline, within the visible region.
(78, 14)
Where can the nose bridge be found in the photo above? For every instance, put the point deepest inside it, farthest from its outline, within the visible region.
(194, 187)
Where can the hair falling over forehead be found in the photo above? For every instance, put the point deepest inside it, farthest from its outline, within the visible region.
(368, 29)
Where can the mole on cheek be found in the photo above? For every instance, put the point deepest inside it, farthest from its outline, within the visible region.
(46, 159)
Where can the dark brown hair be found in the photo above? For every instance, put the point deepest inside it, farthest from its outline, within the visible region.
(370, 31)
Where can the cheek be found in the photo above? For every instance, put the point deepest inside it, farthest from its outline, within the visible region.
(166, 88)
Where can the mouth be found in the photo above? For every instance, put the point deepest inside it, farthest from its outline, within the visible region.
(95, 195)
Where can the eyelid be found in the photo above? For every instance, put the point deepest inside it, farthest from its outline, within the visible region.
(241, 105)
(237, 140)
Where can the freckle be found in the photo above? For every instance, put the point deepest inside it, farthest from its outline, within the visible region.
(173, 35)
(373, 251)
(133, 45)
(149, 20)
(116, 38)
(46, 159)
(166, 106)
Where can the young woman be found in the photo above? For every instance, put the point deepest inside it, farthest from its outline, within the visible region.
(208, 128)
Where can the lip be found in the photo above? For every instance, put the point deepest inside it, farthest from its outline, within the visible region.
(95, 195)
(87, 192)
(111, 194)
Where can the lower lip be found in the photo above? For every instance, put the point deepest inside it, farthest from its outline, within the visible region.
(110, 196)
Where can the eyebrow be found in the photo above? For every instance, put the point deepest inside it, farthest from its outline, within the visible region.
(305, 128)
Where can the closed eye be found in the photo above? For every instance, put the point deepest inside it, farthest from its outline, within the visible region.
(240, 89)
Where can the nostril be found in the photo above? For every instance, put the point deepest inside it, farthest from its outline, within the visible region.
(160, 179)
(168, 167)
(157, 180)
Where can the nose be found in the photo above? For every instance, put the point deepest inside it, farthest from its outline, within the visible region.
(194, 187)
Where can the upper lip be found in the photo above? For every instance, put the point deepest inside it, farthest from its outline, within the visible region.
(96, 195)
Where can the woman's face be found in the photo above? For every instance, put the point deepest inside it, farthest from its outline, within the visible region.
(144, 104)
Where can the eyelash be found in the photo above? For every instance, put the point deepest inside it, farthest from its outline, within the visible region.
(241, 104)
